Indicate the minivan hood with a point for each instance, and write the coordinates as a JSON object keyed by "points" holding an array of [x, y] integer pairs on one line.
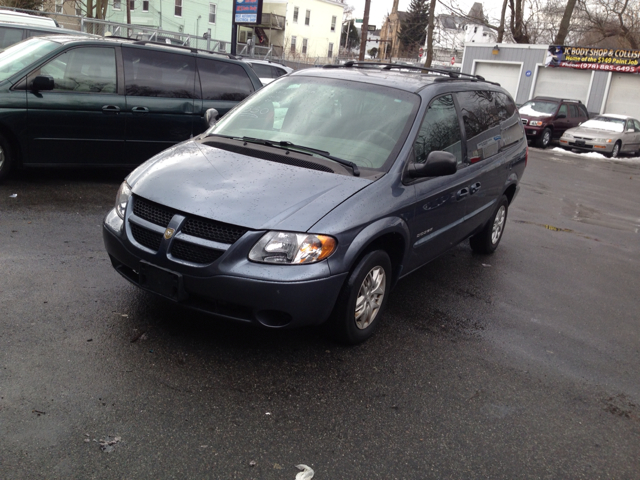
{"points": [[239, 189]]}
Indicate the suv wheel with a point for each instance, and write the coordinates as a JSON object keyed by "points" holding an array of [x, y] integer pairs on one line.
{"points": [[545, 138], [6, 158], [363, 298], [616, 150], [487, 240]]}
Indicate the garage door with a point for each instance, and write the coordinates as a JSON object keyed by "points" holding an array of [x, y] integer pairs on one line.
{"points": [[507, 75], [563, 82], [623, 95]]}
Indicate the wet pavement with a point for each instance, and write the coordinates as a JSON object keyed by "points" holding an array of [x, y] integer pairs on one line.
{"points": [[523, 364]]}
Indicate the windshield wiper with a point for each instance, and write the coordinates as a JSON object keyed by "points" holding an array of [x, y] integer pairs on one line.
{"points": [[288, 145]]}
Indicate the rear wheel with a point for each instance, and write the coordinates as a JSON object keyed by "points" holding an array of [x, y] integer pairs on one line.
{"points": [[487, 240], [362, 299], [6, 158], [545, 138]]}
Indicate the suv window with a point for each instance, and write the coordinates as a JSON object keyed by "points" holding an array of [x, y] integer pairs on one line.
{"points": [[583, 111], [9, 36], [90, 70], [573, 110], [563, 110], [636, 124], [150, 73], [264, 71], [440, 130], [223, 80], [479, 111]]}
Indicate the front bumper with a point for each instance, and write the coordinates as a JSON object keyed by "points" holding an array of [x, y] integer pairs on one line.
{"points": [[224, 291], [533, 132], [586, 145]]}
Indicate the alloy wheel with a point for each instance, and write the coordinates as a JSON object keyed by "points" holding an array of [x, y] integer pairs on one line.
{"points": [[370, 297], [498, 224]]}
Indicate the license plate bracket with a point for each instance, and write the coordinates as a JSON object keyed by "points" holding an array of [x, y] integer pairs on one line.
{"points": [[580, 142], [161, 281]]}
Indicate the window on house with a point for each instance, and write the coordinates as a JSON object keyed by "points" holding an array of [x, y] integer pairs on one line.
{"points": [[222, 47], [117, 4], [333, 24], [330, 52], [295, 14], [304, 45], [145, 5], [59, 6], [178, 8], [132, 4], [307, 17], [212, 13], [293, 44]]}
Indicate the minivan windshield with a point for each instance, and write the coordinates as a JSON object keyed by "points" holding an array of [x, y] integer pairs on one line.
{"points": [[538, 108], [358, 122], [23, 54]]}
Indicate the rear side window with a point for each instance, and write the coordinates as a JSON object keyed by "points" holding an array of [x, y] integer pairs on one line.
{"points": [[479, 112], [150, 73], [223, 80], [573, 110], [82, 70], [506, 107], [264, 71], [9, 36], [440, 130]]}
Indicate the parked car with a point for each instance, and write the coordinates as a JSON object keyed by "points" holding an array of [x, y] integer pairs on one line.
{"points": [[103, 101], [546, 118], [268, 70], [313, 217], [11, 33], [21, 18], [608, 134]]}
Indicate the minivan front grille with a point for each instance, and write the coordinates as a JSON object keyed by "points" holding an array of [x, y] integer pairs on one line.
{"points": [[152, 212], [194, 253], [211, 230], [146, 237]]}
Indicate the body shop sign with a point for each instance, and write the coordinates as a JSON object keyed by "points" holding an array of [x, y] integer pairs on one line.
{"points": [[607, 59], [247, 11]]}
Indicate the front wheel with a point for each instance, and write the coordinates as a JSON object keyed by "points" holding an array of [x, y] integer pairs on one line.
{"points": [[6, 158], [487, 240], [616, 151], [362, 299], [545, 138]]}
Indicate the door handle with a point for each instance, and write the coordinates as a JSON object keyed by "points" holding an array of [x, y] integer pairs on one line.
{"points": [[462, 193], [474, 188], [140, 110], [110, 109]]}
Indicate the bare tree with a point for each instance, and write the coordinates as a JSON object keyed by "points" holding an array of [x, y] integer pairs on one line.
{"points": [[610, 23], [432, 9], [564, 24]]}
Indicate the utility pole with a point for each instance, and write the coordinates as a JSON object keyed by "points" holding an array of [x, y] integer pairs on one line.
{"points": [[365, 27]]}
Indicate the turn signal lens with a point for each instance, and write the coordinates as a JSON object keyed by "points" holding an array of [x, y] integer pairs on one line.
{"points": [[292, 248]]}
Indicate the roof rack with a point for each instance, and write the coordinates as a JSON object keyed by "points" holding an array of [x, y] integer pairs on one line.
{"points": [[391, 66], [171, 45]]}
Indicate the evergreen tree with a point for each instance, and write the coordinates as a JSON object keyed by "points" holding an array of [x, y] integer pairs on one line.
{"points": [[413, 26], [354, 36]]}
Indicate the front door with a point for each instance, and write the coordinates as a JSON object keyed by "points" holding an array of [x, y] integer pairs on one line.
{"points": [[81, 120], [160, 92], [439, 202]]}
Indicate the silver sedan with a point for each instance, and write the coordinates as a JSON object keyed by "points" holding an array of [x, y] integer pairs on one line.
{"points": [[608, 134]]}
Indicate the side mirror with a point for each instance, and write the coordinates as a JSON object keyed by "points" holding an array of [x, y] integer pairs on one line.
{"points": [[438, 164], [211, 117], [42, 82]]}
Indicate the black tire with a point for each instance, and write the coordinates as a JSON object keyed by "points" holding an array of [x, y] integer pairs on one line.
{"points": [[488, 239], [545, 138], [370, 281], [6, 158], [615, 153]]}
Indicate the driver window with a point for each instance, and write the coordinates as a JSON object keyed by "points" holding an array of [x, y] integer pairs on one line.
{"points": [[86, 70], [440, 130], [563, 110]]}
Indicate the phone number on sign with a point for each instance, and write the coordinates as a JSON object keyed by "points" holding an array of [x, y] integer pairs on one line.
{"points": [[608, 68]]}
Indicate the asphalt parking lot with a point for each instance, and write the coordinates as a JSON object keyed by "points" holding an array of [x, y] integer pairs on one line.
{"points": [[523, 364]]}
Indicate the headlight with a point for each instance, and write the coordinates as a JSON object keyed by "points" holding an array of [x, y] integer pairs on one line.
{"points": [[602, 140], [124, 193], [567, 135], [292, 248], [535, 123]]}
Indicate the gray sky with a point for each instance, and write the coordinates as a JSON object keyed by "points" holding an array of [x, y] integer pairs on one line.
{"points": [[380, 8]]}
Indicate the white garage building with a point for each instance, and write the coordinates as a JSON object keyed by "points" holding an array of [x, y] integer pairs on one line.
{"points": [[521, 70]]}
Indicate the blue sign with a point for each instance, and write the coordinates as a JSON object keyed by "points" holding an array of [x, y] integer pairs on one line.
{"points": [[247, 11], [528, 73]]}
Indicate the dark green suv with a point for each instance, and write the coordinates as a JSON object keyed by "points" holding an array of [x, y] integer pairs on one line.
{"points": [[71, 100]]}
